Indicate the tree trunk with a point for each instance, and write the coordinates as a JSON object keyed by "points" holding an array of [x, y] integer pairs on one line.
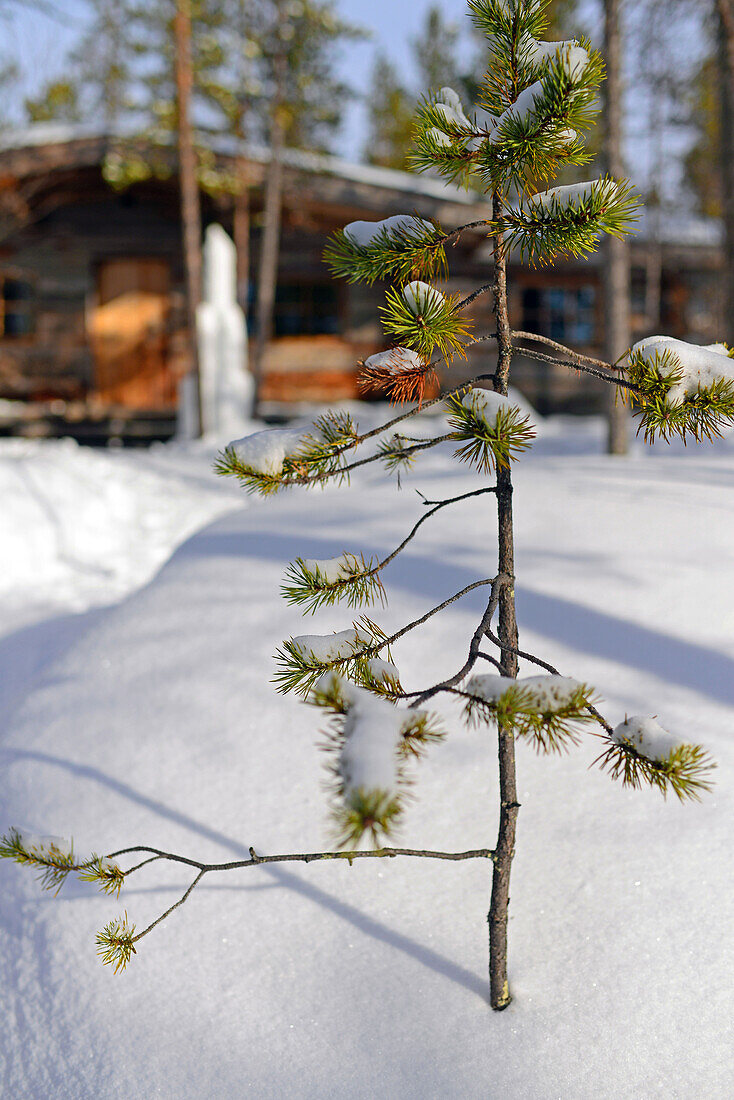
{"points": [[190, 209], [499, 989], [725, 10], [241, 237], [270, 241], [616, 259]]}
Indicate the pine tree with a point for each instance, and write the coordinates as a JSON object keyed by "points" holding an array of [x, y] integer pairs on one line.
{"points": [[389, 119], [542, 97]]}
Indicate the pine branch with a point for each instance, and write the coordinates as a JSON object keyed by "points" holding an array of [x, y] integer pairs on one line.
{"points": [[547, 225], [491, 444]]}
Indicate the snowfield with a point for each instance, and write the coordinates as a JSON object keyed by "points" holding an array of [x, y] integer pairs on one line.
{"points": [[138, 710]]}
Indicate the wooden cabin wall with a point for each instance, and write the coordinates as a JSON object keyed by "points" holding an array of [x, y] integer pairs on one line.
{"points": [[60, 256]]}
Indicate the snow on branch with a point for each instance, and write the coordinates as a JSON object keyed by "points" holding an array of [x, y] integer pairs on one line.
{"points": [[400, 373], [267, 461], [569, 220], [494, 429], [641, 752], [400, 246], [369, 741], [303, 659], [544, 709], [350, 577], [682, 388], [423, 318]]}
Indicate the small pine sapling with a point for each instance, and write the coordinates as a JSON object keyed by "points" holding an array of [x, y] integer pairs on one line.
{"points": [[538, 99]]}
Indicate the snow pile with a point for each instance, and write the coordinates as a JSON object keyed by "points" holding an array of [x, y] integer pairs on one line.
{"points": [[265, 452], [486, 405], [327, 648], [570, 195], [647, 737], [421, 297], [395, 359], [333, 570], [363, 234], [546, 693], [83, 527], [701, 366]]}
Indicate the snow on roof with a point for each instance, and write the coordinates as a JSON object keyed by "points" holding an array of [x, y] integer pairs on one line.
{"points": [[58, 133]]}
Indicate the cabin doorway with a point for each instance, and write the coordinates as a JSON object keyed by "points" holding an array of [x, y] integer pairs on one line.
{"points": [[128, 334]]}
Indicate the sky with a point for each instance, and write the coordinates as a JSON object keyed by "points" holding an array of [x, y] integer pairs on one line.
{"points": [[40, 41]]}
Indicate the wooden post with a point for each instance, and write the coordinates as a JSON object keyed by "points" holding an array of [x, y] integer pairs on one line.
{"points": [[190, 207], [616, 274]]}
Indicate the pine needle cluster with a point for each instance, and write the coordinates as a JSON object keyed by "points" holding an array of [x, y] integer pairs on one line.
{"points": [[701, 414], [685, 771], [299, 670], [543, 229], [413, 251], [56, 864], [489, 447], [359, 584], [435, 325], [319, 457], [116, 943], [550, 727], [53, 864]]}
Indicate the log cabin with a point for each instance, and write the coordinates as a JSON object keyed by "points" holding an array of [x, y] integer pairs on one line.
{"points": [[93, 339]]}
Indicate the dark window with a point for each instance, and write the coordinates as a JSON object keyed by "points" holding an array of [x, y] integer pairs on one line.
{"points": [[303, 309], [16, 306], [562, 313]]}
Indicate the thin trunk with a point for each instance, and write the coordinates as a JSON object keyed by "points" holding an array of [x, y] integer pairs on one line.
{"points": [[499, 989], [616, 259], [726, 67], [190, 209]]}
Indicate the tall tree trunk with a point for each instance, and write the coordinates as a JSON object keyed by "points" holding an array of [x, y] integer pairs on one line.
{"points": [[725, 10], [268, 264], [499, 989], [616, 280], [190, 208], [270, 242], [241, 237]]}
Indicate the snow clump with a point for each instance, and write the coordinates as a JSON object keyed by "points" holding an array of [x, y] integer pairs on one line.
{"points": [[421, 297], [395, 359], [333, 570], [701, 366], [485, 405], [568, 195], [450, 107], [326, 648], [265, 452], [573, 57], [363, 234], [373, 732], [647, 737], [45, 846], [547, 693]]}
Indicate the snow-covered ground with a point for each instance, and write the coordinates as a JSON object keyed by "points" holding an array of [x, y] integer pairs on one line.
{"points": [[138, 710]]}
